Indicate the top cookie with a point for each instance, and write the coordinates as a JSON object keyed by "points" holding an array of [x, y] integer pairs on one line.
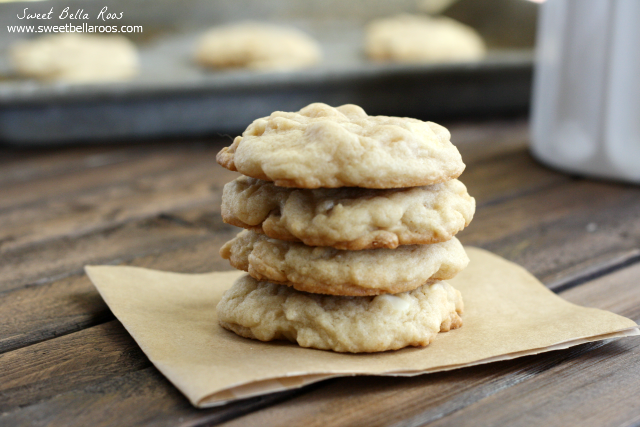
{"points": [[322, 146], [257, 46], [411, 38]]}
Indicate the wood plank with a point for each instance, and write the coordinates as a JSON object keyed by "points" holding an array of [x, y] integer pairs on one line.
{"points": [[484, 140], [39, 313], [143, 397], [198, 184], [33, 164], [507, 176], [551, 231], [550, 380], [69, 304], [98, 377], [10, 155], [60, 258], [194, 184], [617, 292], [591, 269], [101, 173], [43, 370]]}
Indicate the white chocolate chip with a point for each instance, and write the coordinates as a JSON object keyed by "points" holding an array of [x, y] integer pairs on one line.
{"points": [[398, 304]]}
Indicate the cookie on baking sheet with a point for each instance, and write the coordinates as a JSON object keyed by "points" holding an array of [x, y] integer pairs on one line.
{"points": [[322, 146], [268, 311], [72, 57], [413, 38], [349, 218], [326, 270], [257, 46]]}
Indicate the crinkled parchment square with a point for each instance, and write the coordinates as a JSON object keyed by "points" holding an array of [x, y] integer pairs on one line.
{"points": [[508, 314]]}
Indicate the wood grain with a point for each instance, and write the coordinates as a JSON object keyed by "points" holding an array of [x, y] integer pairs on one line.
{"points": [[138, 398], [25, 165], [99, 377], [507, 176], [44, 370], [60, 258], [71, 303], [40, 313], [193, 184], [101, 210], [103, 171], [479, 141], [553, 230]]}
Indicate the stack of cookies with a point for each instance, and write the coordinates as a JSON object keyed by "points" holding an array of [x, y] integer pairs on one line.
{"points": [[350, 222]]}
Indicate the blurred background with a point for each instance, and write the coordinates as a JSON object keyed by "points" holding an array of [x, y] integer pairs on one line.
{"points": [[173, 96]]}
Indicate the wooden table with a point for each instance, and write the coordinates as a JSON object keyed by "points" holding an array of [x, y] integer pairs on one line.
{"points": [[65, 360]]}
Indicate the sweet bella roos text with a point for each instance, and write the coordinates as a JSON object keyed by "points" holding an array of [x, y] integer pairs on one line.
{"points": [[104, 14]]}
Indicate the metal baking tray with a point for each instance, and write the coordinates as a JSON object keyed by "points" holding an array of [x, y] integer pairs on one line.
{"points": [[173, 96]]}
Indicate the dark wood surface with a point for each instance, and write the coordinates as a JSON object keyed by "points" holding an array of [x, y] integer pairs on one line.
{"points": [[65, 360]]}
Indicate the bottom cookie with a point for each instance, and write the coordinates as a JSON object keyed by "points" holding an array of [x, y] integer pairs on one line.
{"points": [[266, 311]]}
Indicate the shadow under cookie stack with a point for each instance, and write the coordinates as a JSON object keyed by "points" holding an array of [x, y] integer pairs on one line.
{"points": [[350, 222]]}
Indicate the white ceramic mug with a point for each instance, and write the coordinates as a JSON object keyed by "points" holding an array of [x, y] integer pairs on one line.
{"points": [[586, 99]]}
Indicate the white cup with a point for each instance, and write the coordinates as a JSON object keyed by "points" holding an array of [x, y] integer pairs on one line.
{"points": [[586, 97]]}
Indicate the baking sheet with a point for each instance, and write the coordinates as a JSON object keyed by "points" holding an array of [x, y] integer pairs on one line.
{"points": [[173, 96]]}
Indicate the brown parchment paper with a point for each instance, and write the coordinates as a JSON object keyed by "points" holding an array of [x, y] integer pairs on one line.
{"points": [[508, 314]]}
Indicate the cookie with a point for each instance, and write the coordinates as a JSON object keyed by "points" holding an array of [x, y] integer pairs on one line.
{"points": [[257, 46], [349, 218], [268, 311], [79, 58], [412, 38], [322, 146], [325, 270]]}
